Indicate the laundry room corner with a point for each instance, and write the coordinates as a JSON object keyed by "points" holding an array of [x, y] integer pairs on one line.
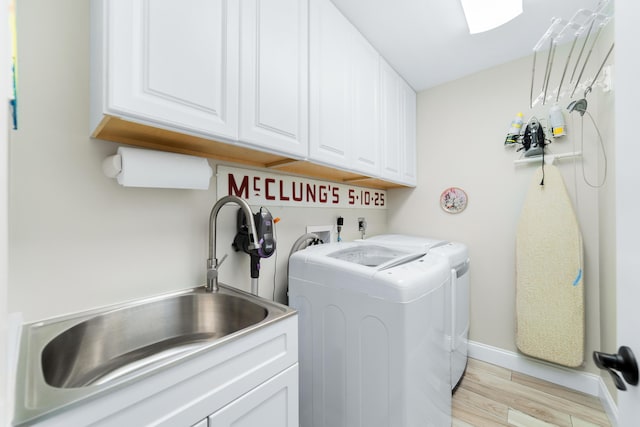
{"points": [[319, 213], [460, 134]]}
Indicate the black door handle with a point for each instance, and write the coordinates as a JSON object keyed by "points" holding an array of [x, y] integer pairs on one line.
{"points": [[624, 362]]}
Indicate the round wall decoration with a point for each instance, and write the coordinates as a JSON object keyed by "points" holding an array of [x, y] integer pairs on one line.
{"points": [[453, 200]]}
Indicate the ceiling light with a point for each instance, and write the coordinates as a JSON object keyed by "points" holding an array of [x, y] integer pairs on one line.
{"points": [[484, 15]]}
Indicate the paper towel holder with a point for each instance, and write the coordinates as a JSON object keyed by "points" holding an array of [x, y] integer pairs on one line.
{"points": [[112, 165], [137, 167]]}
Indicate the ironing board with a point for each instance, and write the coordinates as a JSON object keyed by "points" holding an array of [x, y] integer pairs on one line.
{"points": [[549, 274]]}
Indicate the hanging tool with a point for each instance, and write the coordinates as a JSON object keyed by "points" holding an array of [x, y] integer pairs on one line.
{"points": [[575, 28], [533, 141], [265, 235], [585, 24]]}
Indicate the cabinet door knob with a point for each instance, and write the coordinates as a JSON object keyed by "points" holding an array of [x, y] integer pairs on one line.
{"points": [[624, 362]]}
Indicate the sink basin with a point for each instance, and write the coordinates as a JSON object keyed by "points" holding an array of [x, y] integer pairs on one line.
{"points": [[67, 359], [109, 345]]}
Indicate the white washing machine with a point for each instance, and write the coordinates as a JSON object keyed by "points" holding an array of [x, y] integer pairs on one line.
{"points": [[457, 325], [372, 345]]}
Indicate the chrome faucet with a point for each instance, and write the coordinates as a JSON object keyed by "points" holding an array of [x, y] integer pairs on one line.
{"points": [[212, 262]]}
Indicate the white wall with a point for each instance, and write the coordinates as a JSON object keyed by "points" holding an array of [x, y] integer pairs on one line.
{"points": [[604, 104], [79, 240], [4, 132], [461, 130]]}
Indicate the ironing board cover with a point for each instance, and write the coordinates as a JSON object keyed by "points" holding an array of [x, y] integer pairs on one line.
{"points": [[549, 274]]}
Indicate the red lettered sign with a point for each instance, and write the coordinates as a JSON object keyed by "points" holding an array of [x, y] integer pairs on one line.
{"points": [[269, 189]]}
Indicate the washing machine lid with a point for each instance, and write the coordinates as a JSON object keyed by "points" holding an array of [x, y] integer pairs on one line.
{"points": [[457, 253], [391, 274], [379, 257], [408, 242]]}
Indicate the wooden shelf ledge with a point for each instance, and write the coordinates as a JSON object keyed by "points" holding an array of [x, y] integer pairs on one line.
{"points": [[140, 135]]}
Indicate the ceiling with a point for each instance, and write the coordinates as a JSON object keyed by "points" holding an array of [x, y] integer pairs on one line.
{"points": [[428, 43]]}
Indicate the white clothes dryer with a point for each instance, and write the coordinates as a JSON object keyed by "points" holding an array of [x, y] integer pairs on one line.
{"points": [[372, 340], [457, 325]]}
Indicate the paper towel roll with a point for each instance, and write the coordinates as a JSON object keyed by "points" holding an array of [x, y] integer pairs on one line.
{"points": [[159, 169]]}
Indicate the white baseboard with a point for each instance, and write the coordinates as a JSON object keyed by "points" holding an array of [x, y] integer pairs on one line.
{"points": [[610, 406], [584, 382]]}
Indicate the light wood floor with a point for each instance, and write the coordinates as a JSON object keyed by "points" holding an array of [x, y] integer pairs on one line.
{"points": [[489, 395]]}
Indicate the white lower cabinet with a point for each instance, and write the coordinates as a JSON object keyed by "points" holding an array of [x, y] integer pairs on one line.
{"points": [[272, 404], [254, 377]]}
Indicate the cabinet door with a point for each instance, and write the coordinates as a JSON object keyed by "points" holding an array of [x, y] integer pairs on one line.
{"points": [[174, 63], [274, 75], [272, 404], [391, 153], [330, 90], [365, 106], [397, 127], [409, 168], [345, 88]]}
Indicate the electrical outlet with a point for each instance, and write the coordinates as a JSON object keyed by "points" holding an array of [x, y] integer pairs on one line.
{"points": [[362, 224]]}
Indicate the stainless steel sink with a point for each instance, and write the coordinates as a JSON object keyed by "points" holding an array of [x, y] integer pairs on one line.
{"points": [[67, 359], [102, 348]]}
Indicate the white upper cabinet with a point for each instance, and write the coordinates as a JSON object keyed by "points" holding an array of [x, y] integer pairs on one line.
{"points": [[344, 87], [409, 168], [391, 158], [329, 84], [274, 68], [365, 107], [397, 127], [173, 64], [252, 81], [235, 71]]}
